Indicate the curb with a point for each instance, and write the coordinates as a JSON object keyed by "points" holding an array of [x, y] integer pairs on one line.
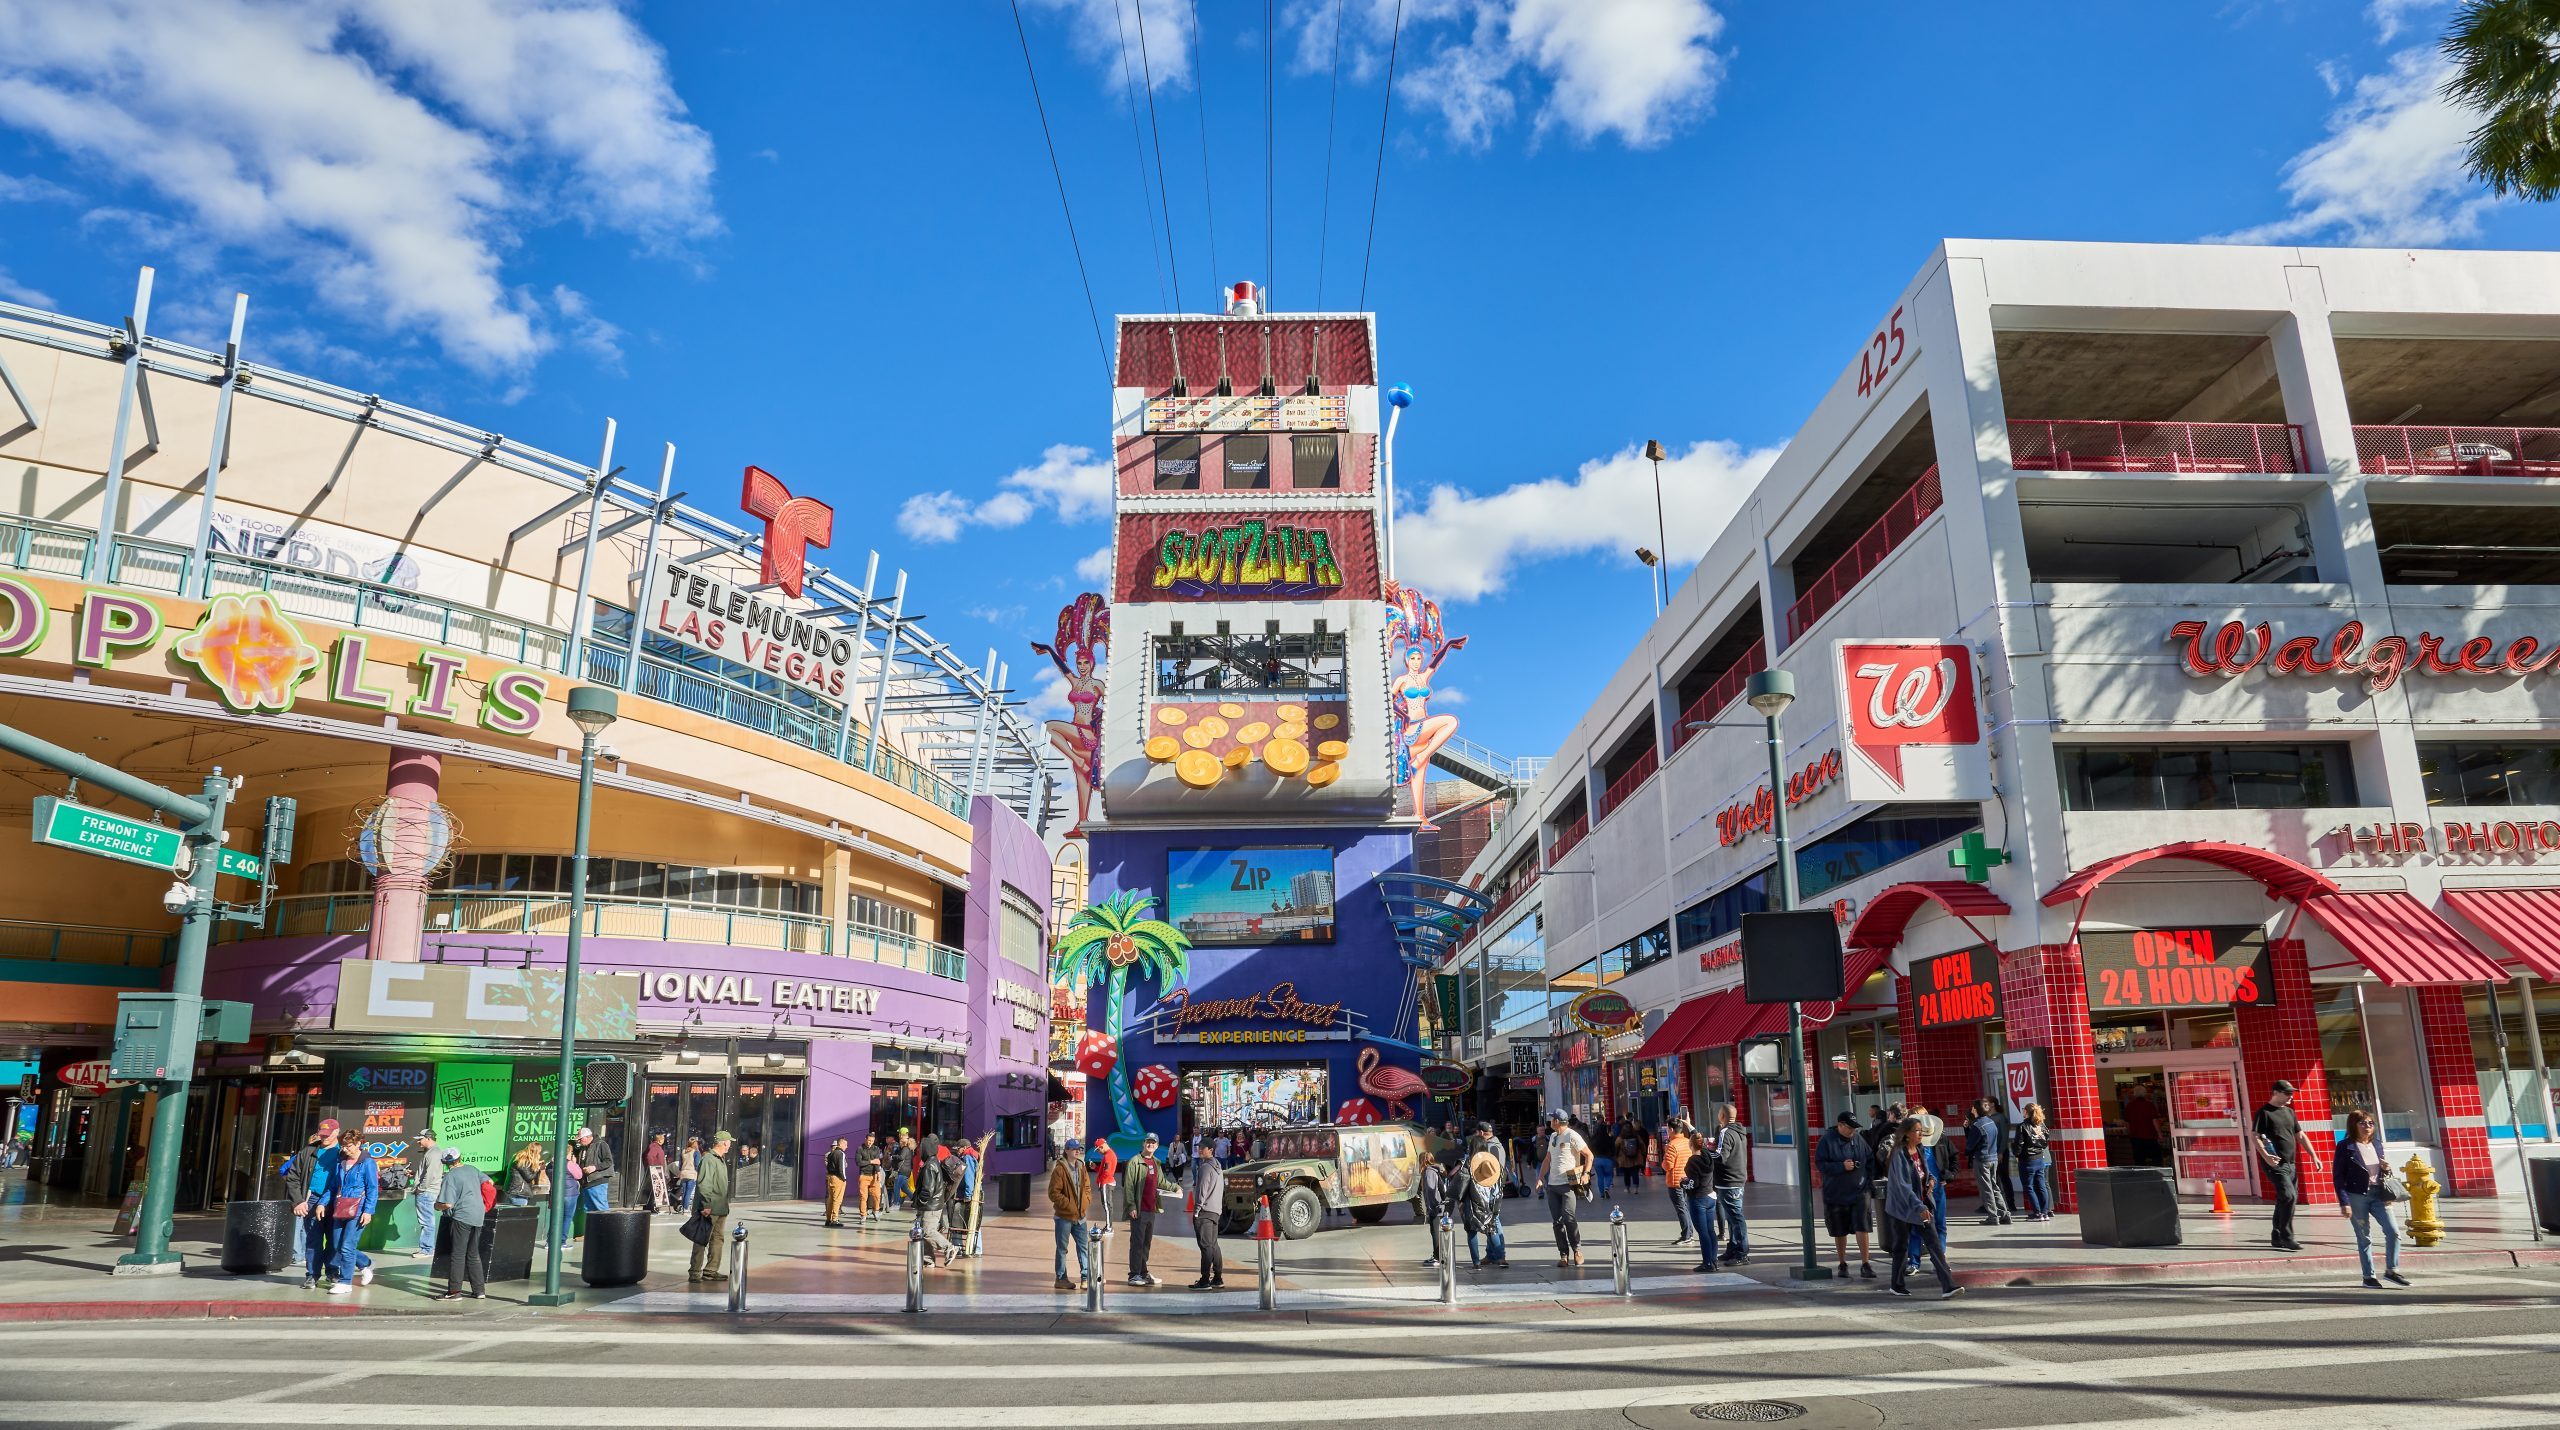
{"points": [[28, 1311], [2103, 1273]]}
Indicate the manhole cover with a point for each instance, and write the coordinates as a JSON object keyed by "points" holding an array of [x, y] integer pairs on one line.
{"points": [[1748, 1412]]}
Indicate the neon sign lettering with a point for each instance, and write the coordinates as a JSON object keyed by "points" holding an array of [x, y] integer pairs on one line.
{"points": [[1248, 558], [1280, 1004], [1743, 818], [2236, 647]]}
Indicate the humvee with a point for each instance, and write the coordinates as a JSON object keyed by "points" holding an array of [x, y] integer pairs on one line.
{"points": [[1308, 1171]]}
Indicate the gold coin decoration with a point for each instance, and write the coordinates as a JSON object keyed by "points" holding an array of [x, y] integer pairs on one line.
{"points": [[1324, 774], [1327, 721], [1213, 727], [1254, 733], [1332, 750], [1172, 714], [1163, 748], [1197, 737], [1285, 756], [1231, 710], [1293, 714], [1290, 732], [1198, 769], [1239, 757]]}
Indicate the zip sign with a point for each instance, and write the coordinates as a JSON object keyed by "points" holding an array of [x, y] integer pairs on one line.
{"points": [[63, 824]]}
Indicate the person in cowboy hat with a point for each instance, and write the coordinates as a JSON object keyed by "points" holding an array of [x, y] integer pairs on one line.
{"points": [[1480, 1202]]}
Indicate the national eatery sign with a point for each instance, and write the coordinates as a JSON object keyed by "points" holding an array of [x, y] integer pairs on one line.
{"points": [[2238, 647]]}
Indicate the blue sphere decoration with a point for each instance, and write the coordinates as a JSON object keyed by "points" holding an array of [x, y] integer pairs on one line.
{"points": [[1400, 395]]}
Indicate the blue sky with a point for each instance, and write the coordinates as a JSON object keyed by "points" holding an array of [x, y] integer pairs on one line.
{"points": [[825, 239]]}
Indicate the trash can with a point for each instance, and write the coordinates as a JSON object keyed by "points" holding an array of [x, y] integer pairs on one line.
{"points": [[1013, 1192], [258, 1237], [2545, 1172], [617, 1248], [512, 1233], [2128, 1206]]}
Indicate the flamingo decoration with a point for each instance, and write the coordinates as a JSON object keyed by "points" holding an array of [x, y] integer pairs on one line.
{"points": [[1397, 1087]]}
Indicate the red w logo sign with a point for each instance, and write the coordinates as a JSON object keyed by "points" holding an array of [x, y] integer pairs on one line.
{"points": [[791, 526]]}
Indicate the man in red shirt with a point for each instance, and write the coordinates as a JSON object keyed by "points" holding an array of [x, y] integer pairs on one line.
{"points": [[1146, 1197]]}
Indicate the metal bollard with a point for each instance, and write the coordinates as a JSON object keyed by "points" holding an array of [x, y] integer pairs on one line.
{"points": [[1618, 1251], [915, 1271], [1266, 1275], [1446, 1234], [738, 1268], [1096, 1272]]}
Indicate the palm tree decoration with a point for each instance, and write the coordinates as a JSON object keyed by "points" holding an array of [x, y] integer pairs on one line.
{"points": [[1107, 943], [2507, 70]]}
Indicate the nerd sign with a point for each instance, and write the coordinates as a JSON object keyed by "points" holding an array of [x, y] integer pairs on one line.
{"points": [[1914, 727], [2177, 967]]}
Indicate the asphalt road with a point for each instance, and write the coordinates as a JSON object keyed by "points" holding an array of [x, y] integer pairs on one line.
{"points": [[2458, 1351]]}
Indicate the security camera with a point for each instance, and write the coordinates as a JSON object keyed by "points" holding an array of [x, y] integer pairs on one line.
{"points": [[179, 897]]}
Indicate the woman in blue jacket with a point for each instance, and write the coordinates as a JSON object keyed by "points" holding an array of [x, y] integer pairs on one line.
{"points": [[2354, 1174], [1908, 1225], [343, 1179]]}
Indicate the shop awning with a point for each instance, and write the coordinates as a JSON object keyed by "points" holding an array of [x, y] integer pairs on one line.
{"points": [[1881, 923], [2400, 939], [1860, 965], [1671, 1038], [2283, 878], [2525, 922]]}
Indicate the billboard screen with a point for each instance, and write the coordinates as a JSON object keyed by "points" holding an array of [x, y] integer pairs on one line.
{"points": [[1248, 896]]}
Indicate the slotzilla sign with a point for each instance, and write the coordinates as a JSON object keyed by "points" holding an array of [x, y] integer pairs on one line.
{"points": [[1275, 555], [462, 1001], [710, 615]]}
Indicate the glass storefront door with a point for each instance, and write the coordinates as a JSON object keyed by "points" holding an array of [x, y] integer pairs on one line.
{"points": [[2208, 1131], [767, 1126]]}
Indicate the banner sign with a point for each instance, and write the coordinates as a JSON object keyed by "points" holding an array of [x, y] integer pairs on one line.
{"points": [[1913, 721], [1956, 988], [707, 614], [479, 1002], [1250, 412], [1316, 554], [2177, 968], [1526, 1062]]}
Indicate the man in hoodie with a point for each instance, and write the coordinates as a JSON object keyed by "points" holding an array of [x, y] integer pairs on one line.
{"points": [[1071, 1200], [464, 1193], [595, 1171], [1982, 1148], [1731, 1151], [422, 1192], [1204, 1185], [1145, 1185], [712, 1196], [936, 1179]]}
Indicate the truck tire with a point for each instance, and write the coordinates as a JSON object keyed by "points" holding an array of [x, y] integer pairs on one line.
{"points": [[1297, 1212], [1370, 1216]]}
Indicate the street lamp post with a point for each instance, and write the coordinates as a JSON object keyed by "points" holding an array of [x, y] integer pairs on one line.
{"points": [[591, 709], [1661, 535], [1770, 692]]}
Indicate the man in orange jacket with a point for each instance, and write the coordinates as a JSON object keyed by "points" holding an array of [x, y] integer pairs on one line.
{"points": [[1679, 1144]]}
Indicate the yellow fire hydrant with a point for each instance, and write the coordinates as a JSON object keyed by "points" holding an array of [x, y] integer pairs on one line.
{"points": [[2424, 1229]]}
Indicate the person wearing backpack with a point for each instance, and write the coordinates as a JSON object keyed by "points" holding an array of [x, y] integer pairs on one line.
{"points": [[1842, 1158]]}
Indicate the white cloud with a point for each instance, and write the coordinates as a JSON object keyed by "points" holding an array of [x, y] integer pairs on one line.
{"points": [[2392, 169], [2390, 17], [16, 292], [1048, 699], [588, 332], [1068, 481], [17, 190], [1094, 569], [1108, 31], [1461, 547], [393, 156]]}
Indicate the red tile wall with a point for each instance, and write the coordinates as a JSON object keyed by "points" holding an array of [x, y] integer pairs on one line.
{"points": [[2282, 1040], [2046, 1004], [1942, 1068], [2447, 1031]]}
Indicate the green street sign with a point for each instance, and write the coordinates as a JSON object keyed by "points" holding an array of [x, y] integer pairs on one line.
{"points": [[239, 865], [91, 831]]}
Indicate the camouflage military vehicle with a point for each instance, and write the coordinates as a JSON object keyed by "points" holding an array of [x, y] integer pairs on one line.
{"points": [[1309, 1171]]}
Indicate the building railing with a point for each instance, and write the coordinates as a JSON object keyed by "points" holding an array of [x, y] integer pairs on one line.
{"points": [[1726, 690], [611, 916], [368, 606], [1627, 784], [2459, 451], [1501, 905], [1865, 554], [83, 943], [1567, 837], [2070, 445]]}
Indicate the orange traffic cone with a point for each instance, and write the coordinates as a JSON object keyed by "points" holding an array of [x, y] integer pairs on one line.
{"points": [[1263, 1230], [2221, 1200]]}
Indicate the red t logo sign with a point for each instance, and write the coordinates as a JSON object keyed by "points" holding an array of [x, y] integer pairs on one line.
{"points": [[791, 526]]}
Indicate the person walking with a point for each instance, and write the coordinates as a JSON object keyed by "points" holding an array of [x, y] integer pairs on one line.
{"points": [[867, 1163], [595, 1172], [836, 1170], [1204, 1186], [902, 1170], [1071, 1200], [345, 1188], [465, 1194], [2361, 1175], [2279, 1135], [1630, 1152], [1730, 1154], [654, 1157], [1933, 1129], [422, 1193], [1841, 1157], [1146, 1197], [1564, 1172], [688, 1173], [1698, 1188], [1481, 1202], [1982, 1148], [1907, 1213], [1439, 1199], [296, 1174], [1677, 1150], [1105, 1160], [711, 1202], [2035, 1163], [1604, 1166], [935, 1185]]}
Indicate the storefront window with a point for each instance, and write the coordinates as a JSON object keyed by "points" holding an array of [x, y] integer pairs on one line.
{"points": [[1773, 1116], [1861, 1067], [2167, 777], [1643, 951], [2391, 1041], [1853, 851], [2520, 1099], [2507, 772]]}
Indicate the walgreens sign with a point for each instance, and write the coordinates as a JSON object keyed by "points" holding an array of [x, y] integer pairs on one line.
{"points": [[2238, 647]]}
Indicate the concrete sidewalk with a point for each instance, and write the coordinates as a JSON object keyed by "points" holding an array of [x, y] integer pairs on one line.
{"points": [[54, 1263]]}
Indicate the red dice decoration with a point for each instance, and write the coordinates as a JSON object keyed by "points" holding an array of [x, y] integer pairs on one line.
{"points": [[1097, 1053], [1358, 1112], [1155, 1087]]}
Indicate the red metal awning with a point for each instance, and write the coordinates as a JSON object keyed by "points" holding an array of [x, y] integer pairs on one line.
{"points": [[1860, 966], [2525, 922], [1718, 1028], [1671, 1038], [2401, 940], [1881, 923], [2284, 878]]}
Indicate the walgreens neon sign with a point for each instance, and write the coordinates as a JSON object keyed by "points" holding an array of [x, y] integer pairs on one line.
{"points": [[2236, 647]]}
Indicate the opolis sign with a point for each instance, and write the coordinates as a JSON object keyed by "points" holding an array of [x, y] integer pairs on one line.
{"points": [[1912, 721], [2236, 648]]}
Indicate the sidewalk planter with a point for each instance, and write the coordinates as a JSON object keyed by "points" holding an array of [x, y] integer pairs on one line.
{"points": [[617, 1248], [258, 1237], [512, 1233], [2128, 1206], [1013, 1192]]}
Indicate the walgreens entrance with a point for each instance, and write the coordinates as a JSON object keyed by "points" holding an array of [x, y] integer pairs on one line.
{"points": [[2180, 1110]]}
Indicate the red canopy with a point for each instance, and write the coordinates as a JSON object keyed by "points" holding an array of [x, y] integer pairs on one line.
{"points": [[2401, 940], [2525, 922]]}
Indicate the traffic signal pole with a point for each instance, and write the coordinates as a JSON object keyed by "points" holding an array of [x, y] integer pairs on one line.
{"points": [[200, 823]]}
